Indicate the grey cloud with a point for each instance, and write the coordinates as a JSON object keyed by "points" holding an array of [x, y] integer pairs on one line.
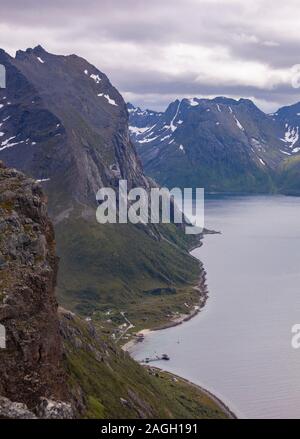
{"points": [[247, 32]]}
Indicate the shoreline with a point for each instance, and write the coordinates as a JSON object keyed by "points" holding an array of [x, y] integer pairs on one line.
{"points": [[215, 398], [203, 296]]}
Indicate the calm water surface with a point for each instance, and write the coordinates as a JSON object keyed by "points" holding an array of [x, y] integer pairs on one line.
{"points": [[239, 346]]}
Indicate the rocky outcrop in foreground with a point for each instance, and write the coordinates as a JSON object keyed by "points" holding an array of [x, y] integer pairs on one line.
{"points": [[32, 381], [64, 367]]}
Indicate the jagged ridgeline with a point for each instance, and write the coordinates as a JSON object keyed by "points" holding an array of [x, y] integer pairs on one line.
{"points": [[63, 123], [222, 144]]}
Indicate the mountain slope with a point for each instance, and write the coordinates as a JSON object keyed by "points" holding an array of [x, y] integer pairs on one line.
{"points": [[220, 144], [55, 365], [107, 383], [290, 117], [289, 172], [63, 123]]}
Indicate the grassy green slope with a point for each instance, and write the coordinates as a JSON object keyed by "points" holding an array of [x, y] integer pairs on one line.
{"points": [[95, 367], [125, 268], [289, 176]]}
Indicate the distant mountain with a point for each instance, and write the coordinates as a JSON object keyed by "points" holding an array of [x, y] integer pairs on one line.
{"points": [[64, 124], [141, 120], [221, 144], [290, 117]]}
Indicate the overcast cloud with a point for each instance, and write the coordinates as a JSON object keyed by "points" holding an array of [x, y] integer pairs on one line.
{"points": [[157, 50]]}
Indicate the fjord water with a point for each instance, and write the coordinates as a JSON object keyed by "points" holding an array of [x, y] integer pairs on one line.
{"points": [[239, 346]]}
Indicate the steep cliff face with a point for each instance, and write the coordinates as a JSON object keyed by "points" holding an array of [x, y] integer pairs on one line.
{"points": [[30, 365], [63, 122]]}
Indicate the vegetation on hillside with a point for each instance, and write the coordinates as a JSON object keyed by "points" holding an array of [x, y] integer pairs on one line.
{"points": [[109, 269], [107, 383]]}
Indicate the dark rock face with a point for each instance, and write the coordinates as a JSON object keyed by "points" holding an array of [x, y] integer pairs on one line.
{"points": [[64, 123], [221, 144], [30, 365]]}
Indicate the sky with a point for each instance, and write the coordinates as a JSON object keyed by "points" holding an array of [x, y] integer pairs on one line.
{"points": [[155, 51]]}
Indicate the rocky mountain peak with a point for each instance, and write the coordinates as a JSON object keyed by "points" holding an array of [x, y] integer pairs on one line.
{"points": [[37, 50], [62, 122]]}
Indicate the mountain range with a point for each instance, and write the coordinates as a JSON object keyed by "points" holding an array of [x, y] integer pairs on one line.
{"points": [[65, 126], [221, 144]]}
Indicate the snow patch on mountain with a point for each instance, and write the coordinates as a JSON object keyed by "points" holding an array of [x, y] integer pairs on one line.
{"points": [[285, 152], [291, 136], [96, 78], [42, 180], [165, 137], [108, 98], [10, 145], [138, 130], [6, 143], [238, 124], [147, 140], [173, 127], [193, 102]]}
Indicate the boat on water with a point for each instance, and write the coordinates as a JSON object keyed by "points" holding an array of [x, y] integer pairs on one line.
{"points": [[157, 358]]}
